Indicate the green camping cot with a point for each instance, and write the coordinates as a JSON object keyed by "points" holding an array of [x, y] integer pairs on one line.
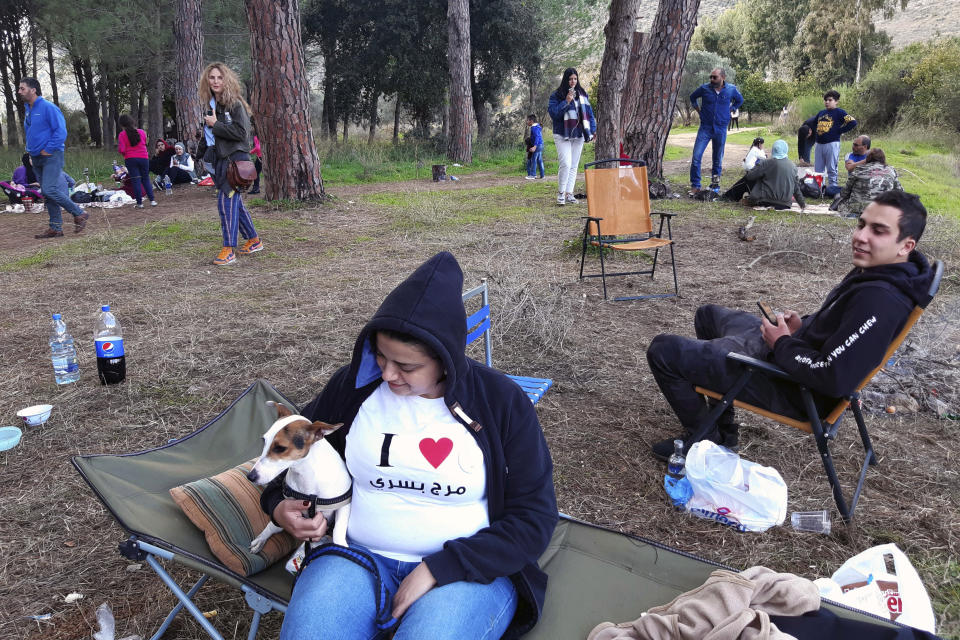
{"points": [[595, 574]]}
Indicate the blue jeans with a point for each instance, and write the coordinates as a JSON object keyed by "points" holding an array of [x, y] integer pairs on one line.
{"points": [[335, 598], [48, 170], [535, 162], [139, 172], [717, 139]]}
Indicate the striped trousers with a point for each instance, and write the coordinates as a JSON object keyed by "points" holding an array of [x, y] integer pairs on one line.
{"points": [[234, 217]]}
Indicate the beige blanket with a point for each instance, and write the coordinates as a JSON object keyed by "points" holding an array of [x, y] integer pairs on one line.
{"points": [[727, 606]]}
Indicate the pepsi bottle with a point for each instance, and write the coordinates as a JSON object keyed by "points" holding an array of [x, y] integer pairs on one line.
{"points": [[111, 358]]}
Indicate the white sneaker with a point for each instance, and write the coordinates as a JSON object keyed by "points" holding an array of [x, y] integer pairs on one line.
{"points": [[153, 203], [571, 199], [560, 200], [531, 177]]}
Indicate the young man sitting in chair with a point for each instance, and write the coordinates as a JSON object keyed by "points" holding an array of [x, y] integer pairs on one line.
{"points": [[830, 351]]}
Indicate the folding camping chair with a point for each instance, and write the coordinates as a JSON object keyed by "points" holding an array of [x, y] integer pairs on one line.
{"points": [[824, 429], [618, 203], [596, 574], [478, 325], [135, 489]]}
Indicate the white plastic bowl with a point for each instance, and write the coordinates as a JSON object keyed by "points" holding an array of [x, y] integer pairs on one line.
{"points": [[35, 415], [9, 437]]}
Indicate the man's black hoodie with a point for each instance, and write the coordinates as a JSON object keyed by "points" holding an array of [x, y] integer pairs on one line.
{"points": [[520, 496], [837, 346]]}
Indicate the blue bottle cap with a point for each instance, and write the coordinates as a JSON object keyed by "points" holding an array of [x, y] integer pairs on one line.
{"points": [[56, 316], [105, 307]]}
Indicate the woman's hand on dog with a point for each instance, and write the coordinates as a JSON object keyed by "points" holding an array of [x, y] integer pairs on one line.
{"points": [[289, 515]]}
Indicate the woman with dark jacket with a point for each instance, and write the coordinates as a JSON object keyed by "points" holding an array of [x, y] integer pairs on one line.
{"points": [[573, 124], [453, 499], [227, 131]]}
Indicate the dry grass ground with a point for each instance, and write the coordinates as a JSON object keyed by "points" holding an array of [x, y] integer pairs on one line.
{"points": [[197, 335]]}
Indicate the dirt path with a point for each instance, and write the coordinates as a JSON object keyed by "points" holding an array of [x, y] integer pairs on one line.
{"points": [[19, 228]]}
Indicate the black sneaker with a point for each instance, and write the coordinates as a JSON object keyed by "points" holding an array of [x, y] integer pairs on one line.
{"points": [[729, 435]]}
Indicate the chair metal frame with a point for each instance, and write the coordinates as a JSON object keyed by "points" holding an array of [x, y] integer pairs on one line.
{"points": [[478, 324], [825, 429], [637, 236]]}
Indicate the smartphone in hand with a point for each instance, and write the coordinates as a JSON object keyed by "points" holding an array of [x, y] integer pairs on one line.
{"points": [[767, 312]]}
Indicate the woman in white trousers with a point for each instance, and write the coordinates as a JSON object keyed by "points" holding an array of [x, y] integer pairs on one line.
{"points": [[573, 125]]}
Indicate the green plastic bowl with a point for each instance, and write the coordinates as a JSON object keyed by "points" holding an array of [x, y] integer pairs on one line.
{"points": [[9, 437]]}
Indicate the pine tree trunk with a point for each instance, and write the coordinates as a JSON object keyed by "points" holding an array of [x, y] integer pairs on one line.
{"points": [[155, 111], [374, 116], [10, 99], [396, 122], [53, 73], [188, 39], [88, 95], [660, 68], [613, 72], [632, 81], [281, 101], [459, 142]]}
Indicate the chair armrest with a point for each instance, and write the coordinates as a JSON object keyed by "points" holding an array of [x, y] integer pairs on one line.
{"points": [[662, 214], [762, 365]]}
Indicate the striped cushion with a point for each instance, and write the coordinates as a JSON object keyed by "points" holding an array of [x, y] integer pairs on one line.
{"points": [[226, 508]]}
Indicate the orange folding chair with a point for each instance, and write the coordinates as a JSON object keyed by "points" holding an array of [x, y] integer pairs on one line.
{"points": [[618, 204]]}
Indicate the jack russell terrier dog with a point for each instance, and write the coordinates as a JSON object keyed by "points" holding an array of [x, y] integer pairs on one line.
{"points": [[315, 471]]}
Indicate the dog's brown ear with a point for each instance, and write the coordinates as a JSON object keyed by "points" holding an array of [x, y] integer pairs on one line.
{"points": [[282, 410], [323, 429]]}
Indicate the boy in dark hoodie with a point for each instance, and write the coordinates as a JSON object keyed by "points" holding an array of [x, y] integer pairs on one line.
{"points": [[830, 351], [453, 499]]}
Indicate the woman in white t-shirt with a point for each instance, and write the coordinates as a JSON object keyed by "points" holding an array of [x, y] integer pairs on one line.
{"points": [[453, 498], [755, 154]]}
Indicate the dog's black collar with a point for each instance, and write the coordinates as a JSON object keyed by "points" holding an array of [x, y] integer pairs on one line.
{"points": [[315, 501]]}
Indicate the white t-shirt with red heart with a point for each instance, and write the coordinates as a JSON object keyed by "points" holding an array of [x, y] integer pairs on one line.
{"points": [[418, 476]]}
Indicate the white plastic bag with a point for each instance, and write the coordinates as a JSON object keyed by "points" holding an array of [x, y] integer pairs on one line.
{"points": [[882, 580], [733, 491]]}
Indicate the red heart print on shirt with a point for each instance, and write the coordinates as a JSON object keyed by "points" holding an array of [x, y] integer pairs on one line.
{"points": [[436, 451]]}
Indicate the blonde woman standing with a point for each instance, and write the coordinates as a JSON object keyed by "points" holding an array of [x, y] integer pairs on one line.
{"points": [[227, 130]]}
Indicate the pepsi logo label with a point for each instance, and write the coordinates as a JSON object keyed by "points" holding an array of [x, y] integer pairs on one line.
{"points": [[107, 347]]}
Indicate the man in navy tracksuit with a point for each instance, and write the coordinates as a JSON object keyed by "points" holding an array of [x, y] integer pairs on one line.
{"points": [[717, 100], [830, 351], [46, 132]]}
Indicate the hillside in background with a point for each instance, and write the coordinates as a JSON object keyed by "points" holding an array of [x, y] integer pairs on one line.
{"points": [[923, 19]]}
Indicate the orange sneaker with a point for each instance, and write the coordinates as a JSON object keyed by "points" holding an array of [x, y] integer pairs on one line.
{"points": [[250, 246], [225, 257]]}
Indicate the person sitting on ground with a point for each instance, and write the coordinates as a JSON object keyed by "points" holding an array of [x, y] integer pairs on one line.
{"points": [[161, 158], [120, 175], [755, 154], [865, 182], [857, 157], [771, 183], [454, 531], [889, 278], [181, 169], [23, 183]]}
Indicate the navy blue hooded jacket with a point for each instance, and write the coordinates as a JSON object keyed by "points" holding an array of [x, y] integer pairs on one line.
{"points": [[836, 347], [520, 495]]}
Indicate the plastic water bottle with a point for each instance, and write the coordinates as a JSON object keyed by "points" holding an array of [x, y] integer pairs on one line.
{"points": [[167, 185], [677, 462], [111, 358], [63, 352]]}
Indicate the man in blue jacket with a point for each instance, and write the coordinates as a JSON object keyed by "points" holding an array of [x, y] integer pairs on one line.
{"points": [[830, 351], [717, 100], [46, 132]]}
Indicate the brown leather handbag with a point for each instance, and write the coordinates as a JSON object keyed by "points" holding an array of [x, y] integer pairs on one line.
{"points": [[241, 174]]}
